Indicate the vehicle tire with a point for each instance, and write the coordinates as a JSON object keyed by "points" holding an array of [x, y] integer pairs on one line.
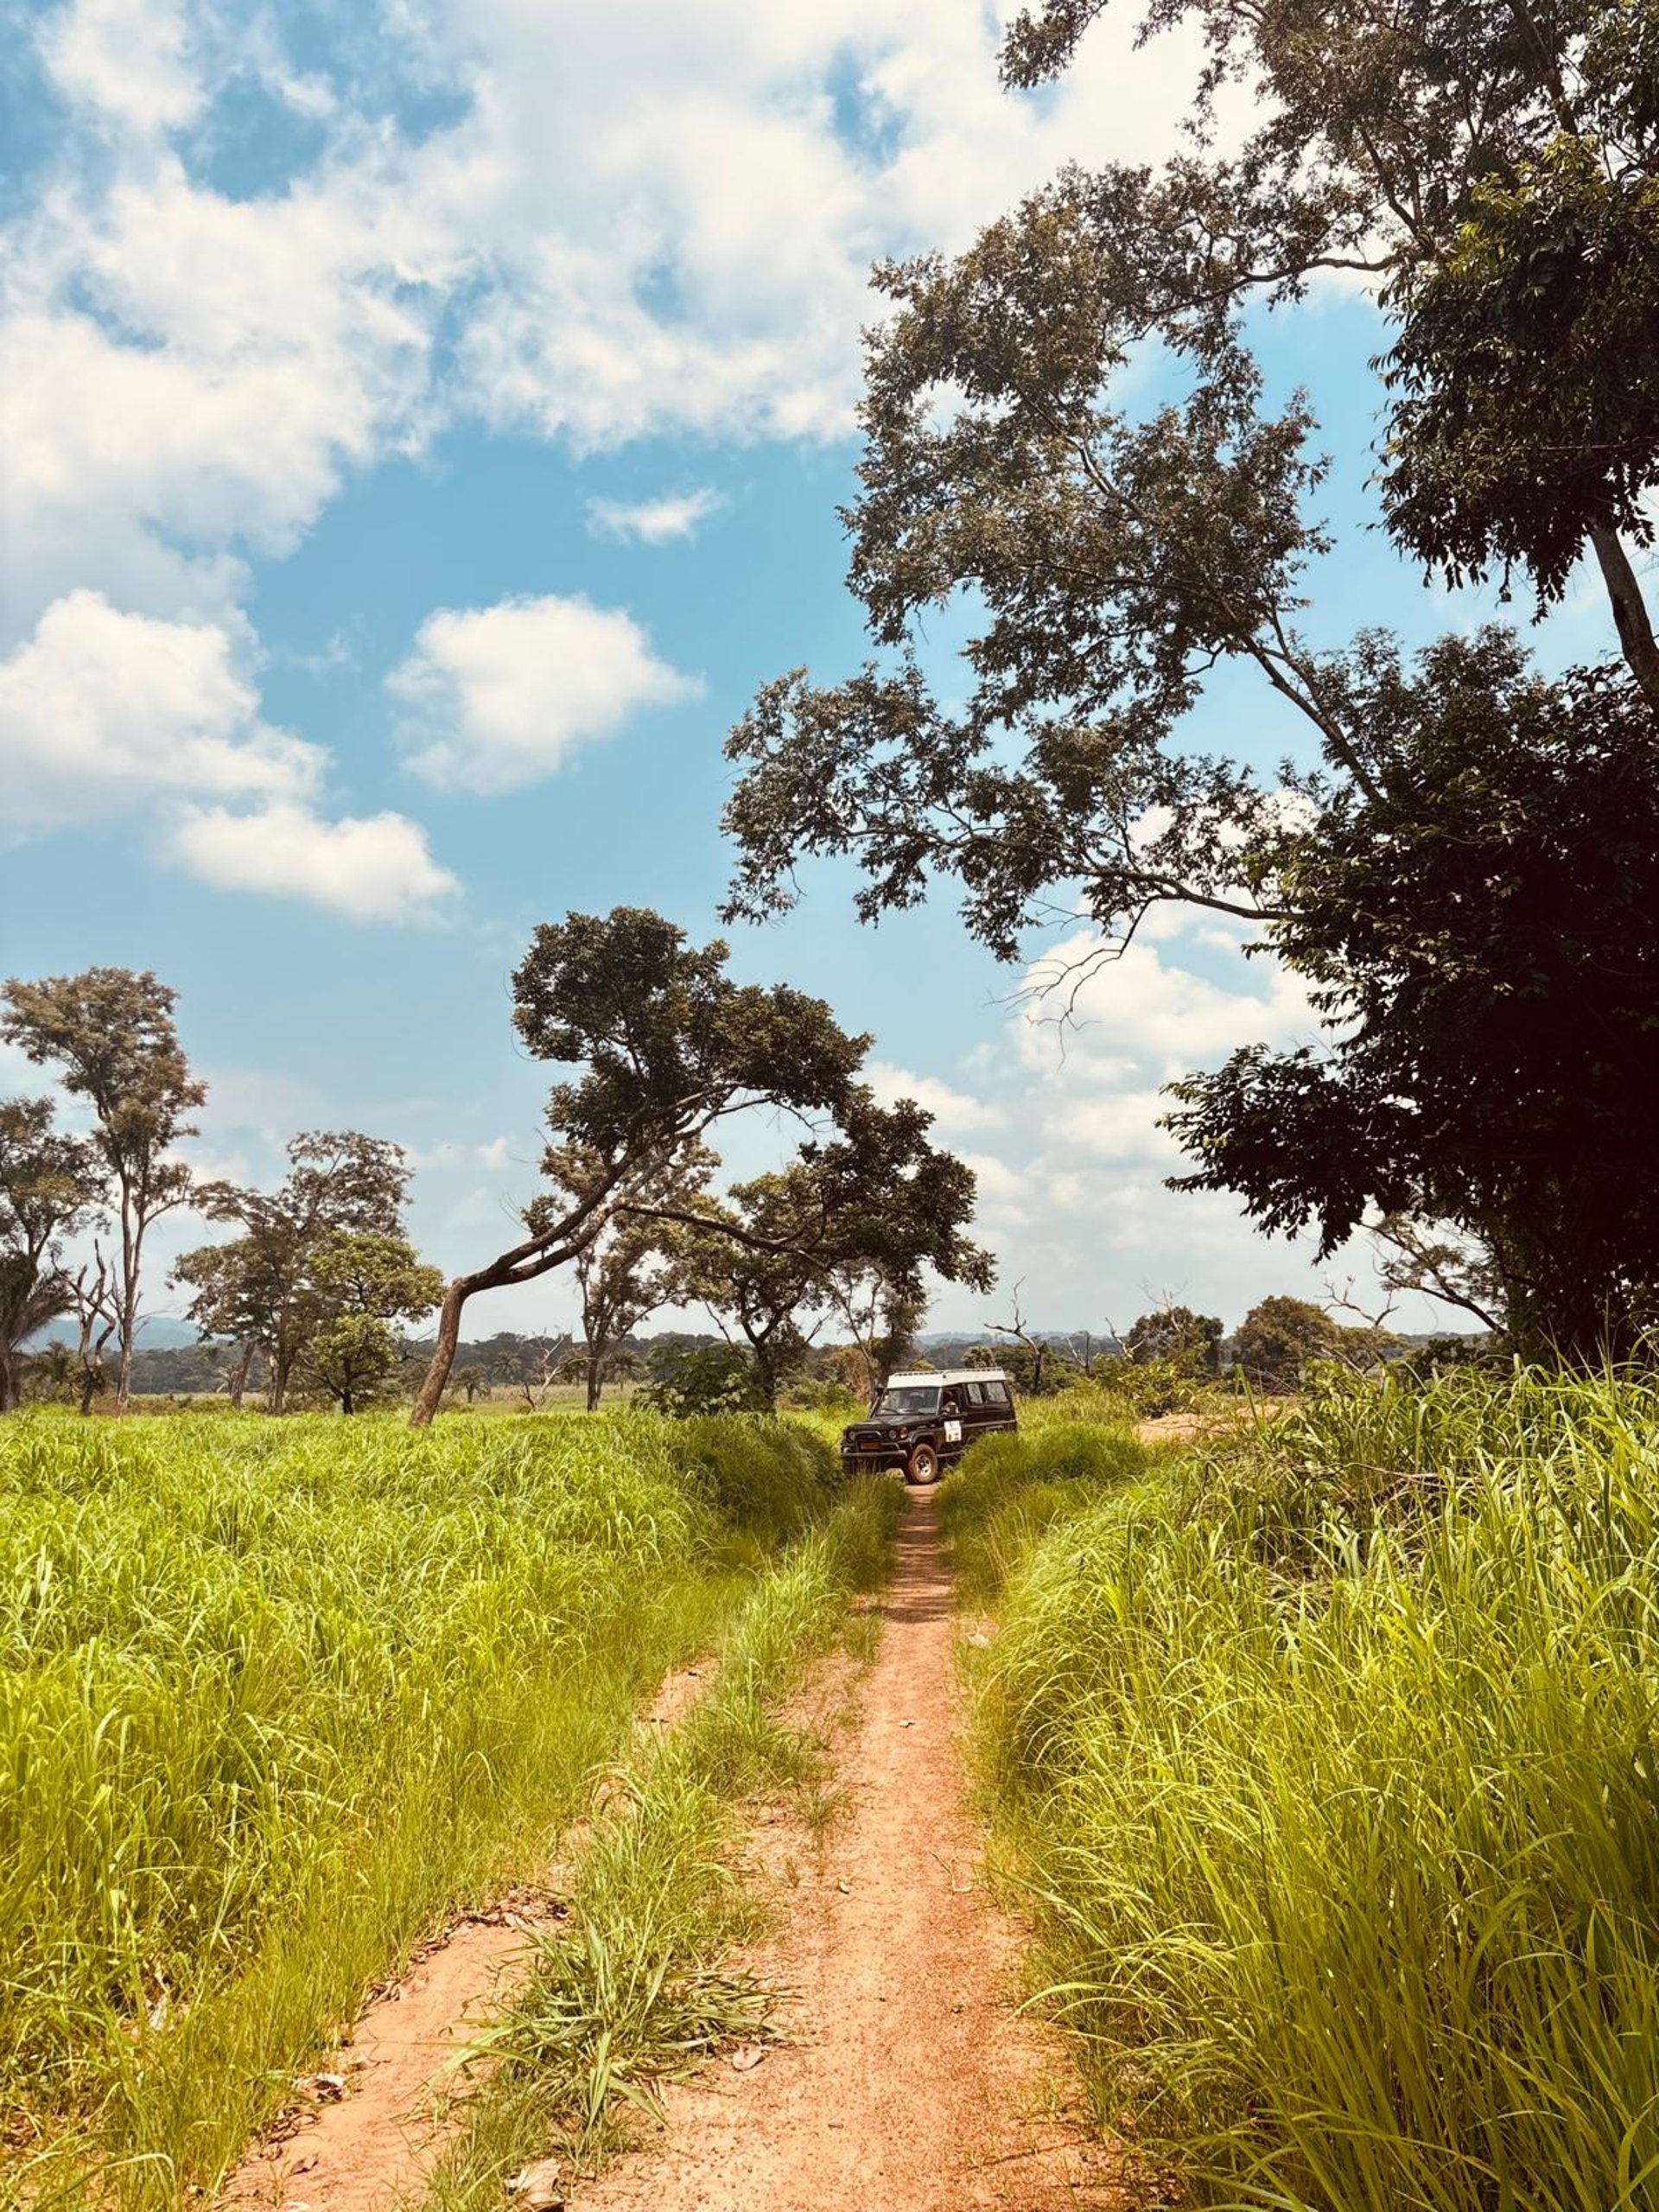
{"points": [[922, 1466]]}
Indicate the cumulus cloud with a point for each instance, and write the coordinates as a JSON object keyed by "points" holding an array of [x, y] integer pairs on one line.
{"points": [[101, 710], [653, 522], [954, 1112], [681, 243], [105, 713], [497, 697], [127, 59], [374, 868], [1071, 1177]]}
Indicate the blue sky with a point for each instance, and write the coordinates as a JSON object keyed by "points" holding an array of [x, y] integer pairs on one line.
{"points": [[421, 431]]}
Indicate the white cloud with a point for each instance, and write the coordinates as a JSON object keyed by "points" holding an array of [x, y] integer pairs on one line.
{"points": [[105, 713], [376, 868], [102, 710], [956, 1112], [1072, 1198], [126, 58], [653, 217], [497, 697], [654, 522]]}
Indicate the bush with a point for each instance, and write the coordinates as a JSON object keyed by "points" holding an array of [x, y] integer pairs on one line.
{"points": [[718, 1379]]}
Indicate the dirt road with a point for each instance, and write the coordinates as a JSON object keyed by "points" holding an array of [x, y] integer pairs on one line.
{"points": [[910, 2086]]}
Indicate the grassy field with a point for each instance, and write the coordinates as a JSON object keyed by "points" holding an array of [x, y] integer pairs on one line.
{"points": [[1327, 1762], [277, 1697]]}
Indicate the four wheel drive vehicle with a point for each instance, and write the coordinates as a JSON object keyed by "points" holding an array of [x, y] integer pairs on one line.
{"points": [[923, 1422]]}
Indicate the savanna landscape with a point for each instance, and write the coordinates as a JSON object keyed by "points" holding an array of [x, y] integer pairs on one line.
{"points": [[574, 1634]]}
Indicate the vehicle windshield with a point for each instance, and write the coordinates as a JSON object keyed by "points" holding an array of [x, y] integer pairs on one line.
{"points": [[917, 1399]]}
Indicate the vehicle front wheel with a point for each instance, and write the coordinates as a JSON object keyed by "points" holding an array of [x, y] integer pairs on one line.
{"points": [[922, 1466]]}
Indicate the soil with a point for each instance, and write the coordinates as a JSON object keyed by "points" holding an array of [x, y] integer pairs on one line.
{"points": [[366, 2129], [909, 2081]]}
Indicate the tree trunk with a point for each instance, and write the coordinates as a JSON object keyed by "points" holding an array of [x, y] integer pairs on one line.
{"points": [[1635, 638], [429, 1396], [133, 1245], [595, 1380], [766, 1372], [10, 1394], [89, 1380], [240, 1375], [347, 1403]]}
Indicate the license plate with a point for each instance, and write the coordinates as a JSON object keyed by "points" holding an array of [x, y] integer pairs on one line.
{"points": [[868, 1444]]}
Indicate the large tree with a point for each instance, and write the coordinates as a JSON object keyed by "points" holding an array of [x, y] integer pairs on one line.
{"points": [[50, 1186], [363, 1285], [855, 1226], [668, 1048], [110, 1032], [259, 1289], [1489, 174]]}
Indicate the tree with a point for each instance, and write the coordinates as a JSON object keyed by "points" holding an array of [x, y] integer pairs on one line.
{"points": [[854, 1226], [710, 1379], [95, 1302], [258, 1289], [110, 1032], [1479, 933], [49, 1187], [1490, 174], [622, 1277], [1188, 1341], [668, 1046], [1278, 1339], [363, 1285]]}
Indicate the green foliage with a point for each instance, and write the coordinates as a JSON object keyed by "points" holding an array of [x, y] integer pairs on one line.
{"points": [[717, 1379], [1010, 1489], [1176, 1337], [1279, 1339], [259, 1289], [1462, 860], [1147, 1387], [1471, 925], [110, 1032], [1326, 1759], [49, 1184], [361, 1285]]}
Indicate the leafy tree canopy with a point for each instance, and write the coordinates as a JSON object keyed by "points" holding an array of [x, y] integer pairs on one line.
{"points": [[1490, 173], [669, 1046]]}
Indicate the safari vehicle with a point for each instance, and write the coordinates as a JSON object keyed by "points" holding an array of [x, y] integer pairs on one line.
{"points": [[924, 1422]]}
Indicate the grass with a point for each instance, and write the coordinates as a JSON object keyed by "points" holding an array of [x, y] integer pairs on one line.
{"points": [[1328, 1761], [275, 1698], [638, 1991]]}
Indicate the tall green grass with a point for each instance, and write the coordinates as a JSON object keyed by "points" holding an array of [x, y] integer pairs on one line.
{"points": [[275, 1697], [1329, 1759]]}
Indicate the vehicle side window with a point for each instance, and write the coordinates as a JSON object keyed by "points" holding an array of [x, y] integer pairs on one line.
{"points": [[996, 1394], [975, 1393]]}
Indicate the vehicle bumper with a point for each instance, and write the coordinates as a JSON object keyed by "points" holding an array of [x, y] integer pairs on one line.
{"points": [[885, 1455]]}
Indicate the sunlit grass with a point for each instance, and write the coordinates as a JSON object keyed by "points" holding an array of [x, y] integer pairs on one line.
{"points": [[1329, 1759], [276, 1697]]}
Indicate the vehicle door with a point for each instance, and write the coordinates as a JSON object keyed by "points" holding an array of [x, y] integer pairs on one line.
{"points": [[954, 1433], [997, 1410]]}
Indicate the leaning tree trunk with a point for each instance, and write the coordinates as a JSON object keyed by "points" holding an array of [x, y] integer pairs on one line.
{"points": [[240, 1375], [429, 1396], [10, 1395]]}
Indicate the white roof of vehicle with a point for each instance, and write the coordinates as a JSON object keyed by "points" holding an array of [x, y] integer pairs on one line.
{"points": [[933, 1377]]}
